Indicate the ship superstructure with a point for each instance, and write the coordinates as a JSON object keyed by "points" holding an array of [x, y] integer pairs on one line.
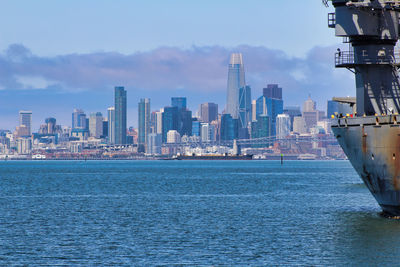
{"points": [[370, 136]]}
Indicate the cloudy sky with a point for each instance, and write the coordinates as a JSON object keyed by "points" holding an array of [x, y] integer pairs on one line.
{"points": [[60, 55]]}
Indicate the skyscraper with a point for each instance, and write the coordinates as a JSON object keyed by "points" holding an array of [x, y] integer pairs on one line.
{"points": [[120, 115], [273, 91], [282, 126], [169, 121], [208, 112], [78, 119], [111, 125], [144, 121], [244, 106], [179, 102], [236, 80], [96, 124], [25, 118], [292, 111]]}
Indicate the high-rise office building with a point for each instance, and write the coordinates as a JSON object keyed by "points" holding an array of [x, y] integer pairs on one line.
{"points": [[184, 115], [208, 112], [96, 124], [105, 128], [158, 122], [154, 143], [196, 127], [236, 80], [253, 110], [245, 106], [120, 115], [179, 102], [273, 91], [299, 125], [309, 105], [111, 125], [207, 132], [262, 127], [144, 121], [51, 125], [78, 119], [282, 126], [169, 121], [271, 107], [229, 128], [292, 111], [25, 118]]}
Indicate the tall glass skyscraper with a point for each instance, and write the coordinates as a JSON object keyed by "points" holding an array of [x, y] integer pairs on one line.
{"points": [[120, 115], [244, 106], [179, 102], [144, 120], [236, 80], [170, 119], [111, 125]]}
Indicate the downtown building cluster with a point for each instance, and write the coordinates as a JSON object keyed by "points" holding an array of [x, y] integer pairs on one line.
{"points": [[263, 127]]}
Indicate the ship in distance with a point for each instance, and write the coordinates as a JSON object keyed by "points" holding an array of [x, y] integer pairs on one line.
{"points": [[370, 136]]}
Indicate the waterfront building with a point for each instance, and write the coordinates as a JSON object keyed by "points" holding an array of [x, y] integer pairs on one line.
{"points": [[120, 115], [111, 125], [24, 146], [78, 119], [282, 126], [208, 112], [96, 124], [173, 137], [245, 107], [25, 118], [169, 121], [236, 80], [154, 143], [144, 122]]}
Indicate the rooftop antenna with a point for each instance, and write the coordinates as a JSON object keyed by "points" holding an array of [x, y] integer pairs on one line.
{"points": [[325, 2]]}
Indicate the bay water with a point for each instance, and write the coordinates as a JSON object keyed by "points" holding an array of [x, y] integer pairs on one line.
{"points": [[212, 213]]}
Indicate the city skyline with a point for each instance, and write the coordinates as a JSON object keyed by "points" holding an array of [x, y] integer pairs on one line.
{"points": [[50, 80]]}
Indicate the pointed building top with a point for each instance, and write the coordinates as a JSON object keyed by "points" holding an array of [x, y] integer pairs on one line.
{"points": [[236, 59]]}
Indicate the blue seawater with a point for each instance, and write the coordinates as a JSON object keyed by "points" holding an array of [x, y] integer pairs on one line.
{"points": [[213, 213]]}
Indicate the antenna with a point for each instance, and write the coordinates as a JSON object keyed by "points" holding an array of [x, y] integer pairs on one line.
{"points": [[325, 2]]}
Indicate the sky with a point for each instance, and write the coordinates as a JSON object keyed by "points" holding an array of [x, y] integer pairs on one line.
{"points": [[59, 55]]}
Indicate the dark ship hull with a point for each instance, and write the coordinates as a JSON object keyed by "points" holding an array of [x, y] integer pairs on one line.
{"points": [[372, 144]]}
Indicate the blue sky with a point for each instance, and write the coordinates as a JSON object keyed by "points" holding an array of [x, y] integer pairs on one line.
{"points": [[60, 55]]}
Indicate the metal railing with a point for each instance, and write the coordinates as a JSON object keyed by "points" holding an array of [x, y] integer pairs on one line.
{"points": [[349, 59]]}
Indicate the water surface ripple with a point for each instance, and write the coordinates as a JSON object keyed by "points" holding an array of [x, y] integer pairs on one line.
{"points": [[148, 213]]}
